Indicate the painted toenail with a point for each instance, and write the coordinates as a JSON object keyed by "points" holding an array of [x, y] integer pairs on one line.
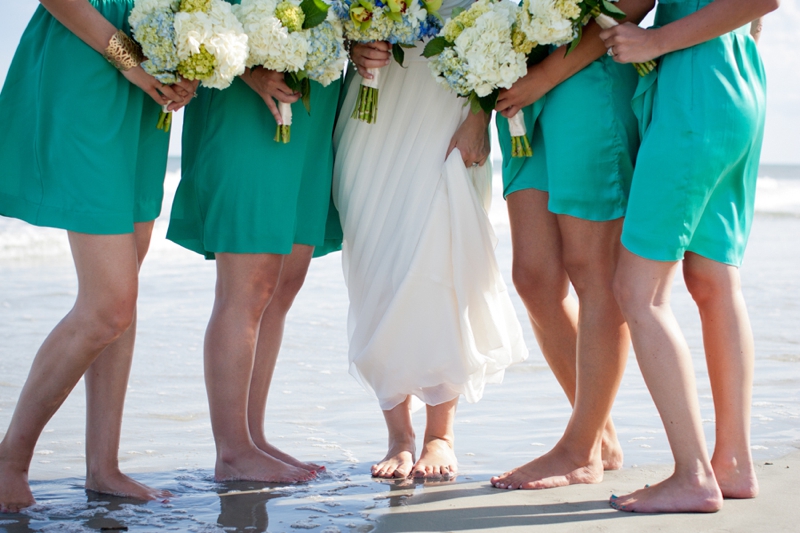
{"points": [[614, 496]]}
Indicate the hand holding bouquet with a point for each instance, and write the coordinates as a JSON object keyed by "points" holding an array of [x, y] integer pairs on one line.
{"points": [[195, 39], [479, 51], [398, 22], [559, 22], [302, 39]]}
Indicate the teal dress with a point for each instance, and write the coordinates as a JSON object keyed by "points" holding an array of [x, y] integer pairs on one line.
{"points": [[78, 142], [702, 120], [242, 192], [584, 138]]}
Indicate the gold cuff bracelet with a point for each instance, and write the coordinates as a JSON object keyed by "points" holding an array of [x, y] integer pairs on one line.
{"points": [[123, 52]]}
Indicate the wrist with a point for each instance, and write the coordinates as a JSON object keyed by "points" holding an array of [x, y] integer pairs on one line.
{"points": [[123, 52], [661, 40]]}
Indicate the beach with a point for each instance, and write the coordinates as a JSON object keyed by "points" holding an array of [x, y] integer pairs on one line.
{"points": [[319, 413]]}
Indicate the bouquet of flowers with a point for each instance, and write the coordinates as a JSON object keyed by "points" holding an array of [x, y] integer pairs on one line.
{"points": [[559, 22], [302, 39], [195, 39], [400, 22], [481, 50]]}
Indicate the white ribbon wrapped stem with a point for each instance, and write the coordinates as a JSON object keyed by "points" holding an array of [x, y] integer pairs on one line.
{"points": [[366, 82], [286, 113], [605, 22], [516, 125]]}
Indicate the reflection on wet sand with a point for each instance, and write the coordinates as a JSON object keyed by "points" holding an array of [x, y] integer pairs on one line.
{"points": [[243, 506]]}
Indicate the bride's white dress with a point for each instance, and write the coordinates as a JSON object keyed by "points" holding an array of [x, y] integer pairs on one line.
{"points": [[430, 315]]}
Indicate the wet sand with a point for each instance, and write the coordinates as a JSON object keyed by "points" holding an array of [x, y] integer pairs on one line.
{"points": [[476, 506]]}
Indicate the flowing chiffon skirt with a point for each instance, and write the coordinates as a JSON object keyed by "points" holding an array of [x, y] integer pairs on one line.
{"points": [[430, 315]]}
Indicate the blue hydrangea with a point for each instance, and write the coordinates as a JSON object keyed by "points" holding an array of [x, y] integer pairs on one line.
{"points": [[156, 34]]}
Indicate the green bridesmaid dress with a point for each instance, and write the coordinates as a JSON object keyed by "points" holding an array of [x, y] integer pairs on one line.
{"points": [[78, 143], [584, 138], [701, 114], [242, 192]]}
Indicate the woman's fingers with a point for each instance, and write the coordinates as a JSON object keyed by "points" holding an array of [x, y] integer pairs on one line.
{"points": [[189, 86], [286, 98], [376, 55], [379, 45], [364, 72], [273, 108], [170, 93], [608, 34]]}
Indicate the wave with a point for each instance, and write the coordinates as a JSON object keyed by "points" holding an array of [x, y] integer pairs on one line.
{"points": [[778, 193]]}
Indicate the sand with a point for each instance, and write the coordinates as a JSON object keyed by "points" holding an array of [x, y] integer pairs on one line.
{"points": [[476, 506]]}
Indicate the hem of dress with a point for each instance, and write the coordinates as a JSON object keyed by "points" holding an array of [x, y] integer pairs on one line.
{"points": [[198, 246], [665, 257], [69, 220], [508, 191], [557, 208]]}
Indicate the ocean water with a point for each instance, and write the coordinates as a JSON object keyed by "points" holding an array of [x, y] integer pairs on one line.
{"points": [[317, 411]]}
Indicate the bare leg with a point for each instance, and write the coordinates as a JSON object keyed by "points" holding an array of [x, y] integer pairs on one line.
{"points": [[106, 382], [438, 457], [643, 290], [104, 309], [728, 341], [270, 336], [245, 286], [590, 256], [400, 456], [542, 282]]}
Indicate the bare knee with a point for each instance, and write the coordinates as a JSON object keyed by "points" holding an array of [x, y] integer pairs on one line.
{"points": [[540, 285], [589, 274], [709, 286], [105, 321], [287, 290], [258, 296]]}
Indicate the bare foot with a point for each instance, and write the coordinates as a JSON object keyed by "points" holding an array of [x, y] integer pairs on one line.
{"points": [[398, 461], [15, 493], [256, 465], [735, 479], [118, 484], [556, 468], [699, 494], [268, 448], [611, 452], [437, 460]]}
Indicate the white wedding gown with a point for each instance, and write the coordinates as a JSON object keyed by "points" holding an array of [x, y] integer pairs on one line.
{"points": [[430, 315]]}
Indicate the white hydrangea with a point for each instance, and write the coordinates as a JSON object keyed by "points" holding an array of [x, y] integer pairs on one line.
{"points": [[271, 44], [550, 22], [482, 58], [221, 34]]}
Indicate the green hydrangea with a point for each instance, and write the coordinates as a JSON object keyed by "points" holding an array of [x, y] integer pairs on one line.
{"points": [[465, 19], [198, 66], [520, 42], [190, 6], [290, 15]]}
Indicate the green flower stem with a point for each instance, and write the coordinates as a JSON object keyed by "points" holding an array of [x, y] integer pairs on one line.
{"points": [[366, 108], [164, 120], [283, 134], [521, 147]]}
